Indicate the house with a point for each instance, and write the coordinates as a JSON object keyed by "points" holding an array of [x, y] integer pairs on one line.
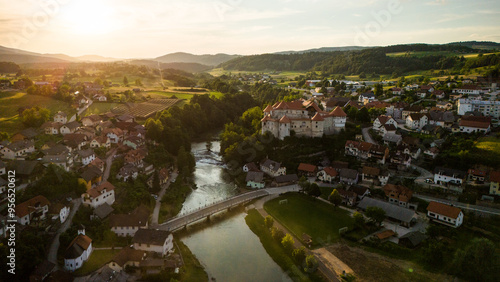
{"points": [[19, 149], [472, 124], [100, 98], [27, 171], [102, 211], [128, 224], [349, 198], [152, 240], [26, 134], [135, 157], [103, 193], [431, 152], [75, 140], [327, 174], [398, 194], [163, 176], [411, 110], [476, 175], [78, 251], [366, 98], [495, 183], [100, 141], [134, 142], [380, 121], [59, 212], [91, 176], [3, 186], [307, 169], [445, 214], [69, 127], [250, 167], [360, 191], [51, 128], [412, 239], [469, 89], [439, 94], [282, 180], [391, 138], [103, 125], [126, 118], [34, 209], [126, 257], [396, 90], [2, 168], [487, 108], [374, 175], [427, 88], [402, 215], [115, 135], [445, 176], [156, 265], [421, 94], [91, 120], [128, 170], [255, 179], [349, 176], [61, 117], [395, 110], [444, 105], [441, 118], [86, 156], [272, 168], [42, 271], [416, 120]]}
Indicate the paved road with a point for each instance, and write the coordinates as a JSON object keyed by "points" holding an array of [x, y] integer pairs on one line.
{"points": [[52, 253], [73, 118], [109, 162], [461, 205], [156, 211], [366, 135]]}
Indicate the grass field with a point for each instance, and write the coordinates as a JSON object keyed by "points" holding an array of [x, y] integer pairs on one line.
{"points": [[489, 144], [304, 214], [179, 95], [97, 259], [11, 101], [99, 108], [192, 269]]}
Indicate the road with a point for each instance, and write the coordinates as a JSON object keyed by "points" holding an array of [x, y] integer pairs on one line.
{"points": [[464, 206], [109, 162], [52, 253], [156, 211], [366, 135], [73, 118]]}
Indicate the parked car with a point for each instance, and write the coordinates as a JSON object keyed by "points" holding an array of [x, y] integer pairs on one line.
{"points": [[428, 180]]}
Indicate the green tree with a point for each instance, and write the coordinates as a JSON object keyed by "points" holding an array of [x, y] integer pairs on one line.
{"points": [[363, 115], [35, 117], [335, 197], [138, 82], [311, 262], [304, 184], [479, 261], [376, 214], [362, 75], [314, 190], [359, 219], [287, 242], [299, 254], [379, 90], [269, 221], [125, 81], [277, 234]]}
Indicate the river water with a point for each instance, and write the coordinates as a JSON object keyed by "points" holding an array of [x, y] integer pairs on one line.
{"points": [[228, 249]]}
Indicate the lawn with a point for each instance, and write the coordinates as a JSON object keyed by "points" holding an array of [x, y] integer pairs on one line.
{"points": [[192, 269], [99, 108], [179, 95], [97, 259], [304, 214], [490, 144], [11, 101]]}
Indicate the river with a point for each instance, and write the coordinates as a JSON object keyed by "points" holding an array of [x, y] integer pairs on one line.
{"points": [[228, 249]]}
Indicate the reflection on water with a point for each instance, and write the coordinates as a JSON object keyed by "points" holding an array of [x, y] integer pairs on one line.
{"points": [[228, 249]]}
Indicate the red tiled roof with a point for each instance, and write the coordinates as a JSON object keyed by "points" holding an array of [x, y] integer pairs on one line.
{"points": [[307, 167], [331, 171], [476, 124], [495, 176], [385, 234], [338, 112], [30, 205], [268, 109], [444, 209], [317, 117], [285, 119]]}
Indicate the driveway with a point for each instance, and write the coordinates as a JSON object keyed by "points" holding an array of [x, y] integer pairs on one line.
{"points": [[156, 211], [52, 253], [73, 118], [366, 135], [109, 162]]}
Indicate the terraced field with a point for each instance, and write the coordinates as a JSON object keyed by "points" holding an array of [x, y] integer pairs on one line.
{"points": [[145, 109]]}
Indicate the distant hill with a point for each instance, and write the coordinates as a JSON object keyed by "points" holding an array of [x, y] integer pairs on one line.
{"points": [[209, 60], [483, 45], [96, 58], [187, 67], [324, 49]]}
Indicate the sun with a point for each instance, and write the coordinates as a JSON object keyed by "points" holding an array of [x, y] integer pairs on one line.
{"points": [[90, 18]]}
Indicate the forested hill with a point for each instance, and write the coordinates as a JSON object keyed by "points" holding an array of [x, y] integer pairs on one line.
{"points": [[373, 60]]}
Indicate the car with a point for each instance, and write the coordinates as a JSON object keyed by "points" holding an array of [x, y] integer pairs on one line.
{"points": [[155, 196], [428, 180]]}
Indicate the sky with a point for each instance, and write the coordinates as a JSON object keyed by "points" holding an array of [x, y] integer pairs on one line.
{"points": [[151, 28]]}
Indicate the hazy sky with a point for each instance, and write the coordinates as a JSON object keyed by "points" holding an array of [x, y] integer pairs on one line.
{"points": [[151, 28]]}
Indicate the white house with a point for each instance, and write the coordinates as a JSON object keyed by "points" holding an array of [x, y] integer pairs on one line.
{"points": [[396, 91], [128, 224], [78, 251], [366, 98], [59, 212], [444, 175], [18, 149], [86, 156], [272, 168], [103, 193], [33, 209], [469, 89], [69, 127], [445, 214], [475, 124], [255, 179], [115, 135], [152, 240], [416, 120], [382, 120], [61, 117], [327, 174], [100, 141]]}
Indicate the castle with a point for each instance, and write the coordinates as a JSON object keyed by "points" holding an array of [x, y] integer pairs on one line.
{"points": [[305, 118]]}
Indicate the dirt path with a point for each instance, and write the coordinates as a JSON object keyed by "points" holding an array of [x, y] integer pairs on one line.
{"points": [[332, 262]]}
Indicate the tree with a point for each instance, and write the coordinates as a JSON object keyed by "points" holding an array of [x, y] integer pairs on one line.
{"points": [[363, 115], [379, 90], [304, 184], [138, 82], [35, 117], [359, 219], [299, 254], [362, 75], [311, 262], [314, 190], [335, 197], [269, 221], [376, 214], [287, 242], [479, 261], [277, 234], [125, 81]]}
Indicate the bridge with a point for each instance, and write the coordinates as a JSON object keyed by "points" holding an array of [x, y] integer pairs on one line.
{"points": [[183, 220]]}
